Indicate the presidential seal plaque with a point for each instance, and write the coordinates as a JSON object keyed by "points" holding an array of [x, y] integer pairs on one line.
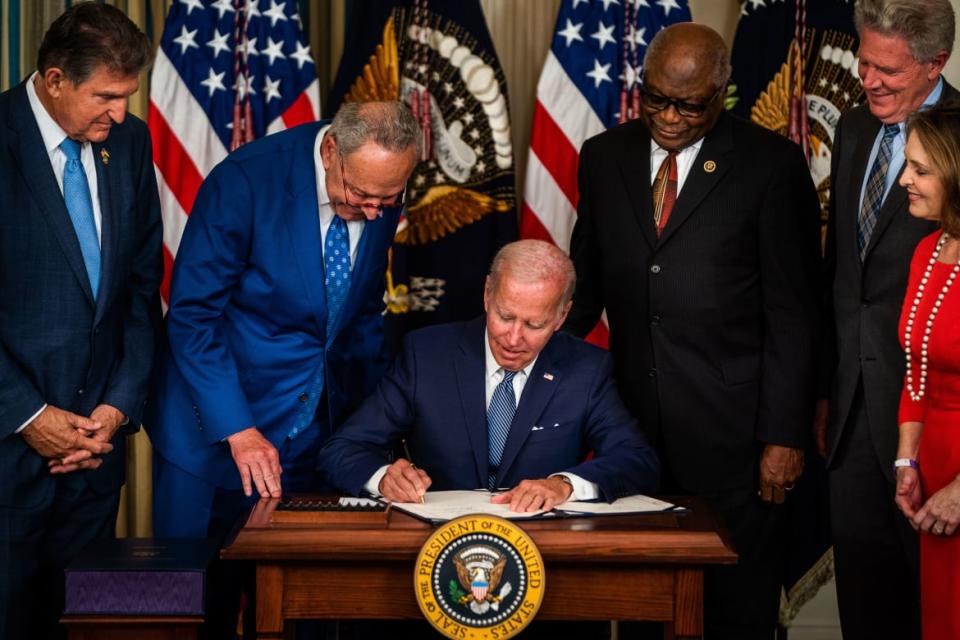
{"points": [[479, 577]]}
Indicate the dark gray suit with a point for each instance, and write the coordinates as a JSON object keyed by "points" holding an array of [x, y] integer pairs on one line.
{"points": [[876, 551], [59, 346]]}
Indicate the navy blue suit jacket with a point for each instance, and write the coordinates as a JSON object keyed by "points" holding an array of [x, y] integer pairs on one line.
{"points": [[57, 345], [248, 341], [435, 397]]}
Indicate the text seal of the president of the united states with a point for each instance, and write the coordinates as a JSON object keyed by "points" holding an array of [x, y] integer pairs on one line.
{"points": [[479, 577]]}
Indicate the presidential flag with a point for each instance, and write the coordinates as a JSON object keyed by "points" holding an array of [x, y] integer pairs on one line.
{"points": [[461, 202], [589, 83], [795, 72], [226, 72]]}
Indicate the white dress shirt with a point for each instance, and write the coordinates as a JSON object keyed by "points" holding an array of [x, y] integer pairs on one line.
{"points": [[325, 209], [685, 160], [582, 489]]}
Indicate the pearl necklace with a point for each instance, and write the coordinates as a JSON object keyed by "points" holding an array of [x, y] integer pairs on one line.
{"points": [[918, 394]]}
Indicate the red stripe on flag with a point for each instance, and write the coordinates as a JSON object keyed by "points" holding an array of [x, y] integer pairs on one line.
{"points": [[167, 273], [600, 336], [172, 160], [555, 152], [531, 227], [300, 112]]}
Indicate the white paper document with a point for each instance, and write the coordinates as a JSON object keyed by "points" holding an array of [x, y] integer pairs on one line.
{"points": [[630, 504], [440, 506]]}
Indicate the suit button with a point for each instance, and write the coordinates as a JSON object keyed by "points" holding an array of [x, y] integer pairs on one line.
{"points": [[654, 321], [79, 392], [303, 397], [865, 304], [652, 373], [655, 268]]}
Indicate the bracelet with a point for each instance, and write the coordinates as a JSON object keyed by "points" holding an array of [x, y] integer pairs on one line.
{"points": [[905, 462]]}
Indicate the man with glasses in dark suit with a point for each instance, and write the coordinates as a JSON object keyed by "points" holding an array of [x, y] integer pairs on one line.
{"points": [[699, 235]]}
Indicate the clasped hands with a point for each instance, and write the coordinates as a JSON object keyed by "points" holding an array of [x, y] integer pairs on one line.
{"points": [[939, 515], [71, 442], [779, 469], [404, 482]]}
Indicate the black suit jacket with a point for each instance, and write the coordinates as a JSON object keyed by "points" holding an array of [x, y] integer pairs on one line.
{"points": [[713, 326], [58, 345], [863, 301]]}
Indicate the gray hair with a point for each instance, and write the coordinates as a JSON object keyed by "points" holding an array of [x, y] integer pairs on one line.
{"points": [[926, 25], [389, 124], [711, 50], [535, 261]]}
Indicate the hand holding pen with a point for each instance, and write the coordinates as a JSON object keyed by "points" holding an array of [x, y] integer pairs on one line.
{"points": [[404, 481]]}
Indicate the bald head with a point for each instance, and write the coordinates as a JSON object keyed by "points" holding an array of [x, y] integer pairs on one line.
{"points": [[688, 48], [686, 70]]}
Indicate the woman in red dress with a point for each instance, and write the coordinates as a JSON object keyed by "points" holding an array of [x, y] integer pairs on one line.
{"points": [[928, 455]]}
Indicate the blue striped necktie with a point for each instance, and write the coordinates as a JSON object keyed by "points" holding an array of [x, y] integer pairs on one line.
{"points": [[503, 404], [876, 186], [336, 254], [76, 195]]}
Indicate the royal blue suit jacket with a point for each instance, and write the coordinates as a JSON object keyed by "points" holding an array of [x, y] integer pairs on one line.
{"points": [[434, 396], [248, 341], [57, 344]]}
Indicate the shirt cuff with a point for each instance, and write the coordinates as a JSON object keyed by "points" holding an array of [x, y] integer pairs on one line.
{"points": [[31, 419], [373, 484], [582, 489]]}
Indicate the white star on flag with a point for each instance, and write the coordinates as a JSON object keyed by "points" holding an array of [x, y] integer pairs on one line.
{"points": [[275, 12], [273, 50], [271, 89], [301, 55], [218, 43], [604, 34], [192, 4], [185, 39], [571, 32], [667, 5], [214, 82], [599, 73]]}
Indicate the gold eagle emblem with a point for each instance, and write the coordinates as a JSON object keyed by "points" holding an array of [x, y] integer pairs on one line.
{"points": [[444, 209]]}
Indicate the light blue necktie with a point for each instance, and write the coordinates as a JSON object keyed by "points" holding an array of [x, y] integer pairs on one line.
{"points": [[76, 195], [336, 254], [503, 405], [876, 185]]}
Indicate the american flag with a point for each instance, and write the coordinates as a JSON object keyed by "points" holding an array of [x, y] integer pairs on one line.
{"points": [[226, 72], [588, 79]]}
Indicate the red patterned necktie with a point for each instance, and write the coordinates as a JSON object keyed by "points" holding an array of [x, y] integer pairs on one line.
{"points": [[664, 191]]}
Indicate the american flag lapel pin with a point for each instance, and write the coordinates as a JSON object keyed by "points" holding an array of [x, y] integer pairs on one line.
{"points": [[548, 376], [104, 156]]}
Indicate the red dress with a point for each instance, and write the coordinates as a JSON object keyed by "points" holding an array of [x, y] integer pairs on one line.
{"points": [[939, 411]]}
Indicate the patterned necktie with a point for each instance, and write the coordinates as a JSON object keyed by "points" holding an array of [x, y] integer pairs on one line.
{"points": [[503, 404], [336, 253], [876, 185], [664, 191], [76, 195]]}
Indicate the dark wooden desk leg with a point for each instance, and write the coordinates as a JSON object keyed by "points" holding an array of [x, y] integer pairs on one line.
{"points": [[270, 601], [688, 605]]}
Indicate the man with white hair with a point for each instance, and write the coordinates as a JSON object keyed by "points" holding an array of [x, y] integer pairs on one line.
{"points": [[500, 401], [904, 45]]}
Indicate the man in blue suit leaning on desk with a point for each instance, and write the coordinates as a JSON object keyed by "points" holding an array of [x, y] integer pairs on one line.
{"points": [[501, 401], [275, 328]]}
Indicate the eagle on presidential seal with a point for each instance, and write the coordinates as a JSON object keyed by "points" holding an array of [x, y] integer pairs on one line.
{"points": [[458, 95], [479, 571]]}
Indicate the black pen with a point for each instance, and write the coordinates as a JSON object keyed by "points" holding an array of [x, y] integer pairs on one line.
{"points": [[406, 452]]}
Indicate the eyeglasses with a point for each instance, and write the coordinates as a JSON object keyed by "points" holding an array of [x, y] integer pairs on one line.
{"points": [[366, 202], [655, 103]]}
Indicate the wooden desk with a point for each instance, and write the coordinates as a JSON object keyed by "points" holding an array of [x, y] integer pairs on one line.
{"points": [[608, 568]]}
